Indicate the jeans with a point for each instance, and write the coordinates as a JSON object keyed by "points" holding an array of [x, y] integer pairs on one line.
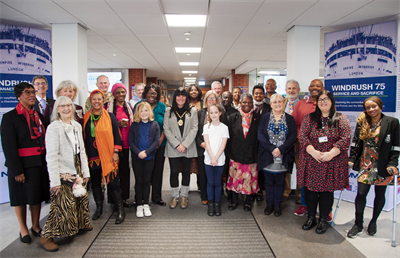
{"points": [[214, 187]]}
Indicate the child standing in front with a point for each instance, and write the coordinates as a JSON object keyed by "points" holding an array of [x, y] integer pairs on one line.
{"points": [[215, 135], [144, 136]]}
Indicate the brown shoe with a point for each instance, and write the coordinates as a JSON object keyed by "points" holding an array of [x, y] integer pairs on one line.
{"points": [[184, 202], [173, 203], [48, 244], [89, 228], [284, 198], [204, 202]]}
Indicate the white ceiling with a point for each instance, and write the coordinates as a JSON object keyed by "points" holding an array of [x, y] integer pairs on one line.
{"points": [[236, 31]]}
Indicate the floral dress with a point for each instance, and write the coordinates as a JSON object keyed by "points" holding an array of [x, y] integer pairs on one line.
{"points": [[368, 173], [325, 176]]}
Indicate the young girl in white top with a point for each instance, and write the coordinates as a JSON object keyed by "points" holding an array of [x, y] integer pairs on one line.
{"points": [[215, 135]]}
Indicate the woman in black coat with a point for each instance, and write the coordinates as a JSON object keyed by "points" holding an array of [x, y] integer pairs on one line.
{"points": [[374, 153], [277, 134], [243, 172], [22, 137]]}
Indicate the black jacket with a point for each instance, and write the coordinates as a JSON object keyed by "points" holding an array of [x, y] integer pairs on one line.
{"points": [[199, 137], [49, 109], [226, 115], [243, 150], [265, 148], [15, 139], [388, 145]]}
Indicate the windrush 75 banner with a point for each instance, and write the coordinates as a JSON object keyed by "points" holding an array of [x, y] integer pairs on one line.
{"points": [[359, 63], [24, 53]]}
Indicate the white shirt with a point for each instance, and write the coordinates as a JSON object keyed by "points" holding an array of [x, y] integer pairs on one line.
{"points": [[215, 136]]}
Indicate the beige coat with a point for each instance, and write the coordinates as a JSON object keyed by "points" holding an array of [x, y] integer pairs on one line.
{"points": [[173, 134]]}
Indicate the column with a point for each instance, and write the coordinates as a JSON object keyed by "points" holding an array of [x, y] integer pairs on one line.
{"points": [[303, 51], [69, 46]]}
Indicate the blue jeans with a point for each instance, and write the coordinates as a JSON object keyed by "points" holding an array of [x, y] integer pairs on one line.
{"points": [[303, 200], [214, 177], [274, 186]]}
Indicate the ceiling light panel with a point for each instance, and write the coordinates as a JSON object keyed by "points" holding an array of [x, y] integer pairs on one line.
{"points": [[189, 63], [189, 78], [178, 20], [189, 71], [188, 49]]}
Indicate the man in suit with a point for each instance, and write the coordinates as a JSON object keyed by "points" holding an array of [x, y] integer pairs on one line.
{"points": [[292, 97], [42, 102]]}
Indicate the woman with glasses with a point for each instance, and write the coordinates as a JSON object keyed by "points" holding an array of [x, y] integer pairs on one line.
{"points": [[22, 138], [324, 140], [374, 154], [180, 128], [210, 98], [152, 95], [69, 173]]}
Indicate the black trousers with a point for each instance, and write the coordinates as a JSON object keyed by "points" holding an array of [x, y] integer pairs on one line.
{"points": [[174, 165], [157, 175], [142, 170], [323, 199], [97, 174], [125, 174], [202, 178]]}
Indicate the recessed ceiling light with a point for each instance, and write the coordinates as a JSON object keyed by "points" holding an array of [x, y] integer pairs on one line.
{"points": [[188, 49], [189, 71], [188, 54], [187, 38], [189, 63], [114, 54], [178, 20], [189, 78]]}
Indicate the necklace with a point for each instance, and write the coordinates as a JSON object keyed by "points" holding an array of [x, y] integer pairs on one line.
{"points": [[180, 121], [92, 124]]}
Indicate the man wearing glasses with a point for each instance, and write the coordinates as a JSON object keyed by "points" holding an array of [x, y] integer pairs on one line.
{"points": [[41, 87]]}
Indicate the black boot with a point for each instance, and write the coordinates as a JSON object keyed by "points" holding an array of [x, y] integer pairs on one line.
{"points": [[323, 225], [98, 198], [119, 205], [217, 209], [310, 223], [211, 208]]}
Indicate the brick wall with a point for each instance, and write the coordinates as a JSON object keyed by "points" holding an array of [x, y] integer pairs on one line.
{"points": [[225, 84], [151, 80], [241, 80]]}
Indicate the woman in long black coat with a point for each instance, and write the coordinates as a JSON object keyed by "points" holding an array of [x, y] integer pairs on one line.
{"points": [[22, 137]]}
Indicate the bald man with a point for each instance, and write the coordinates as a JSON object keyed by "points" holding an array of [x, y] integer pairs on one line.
{"points": [[270, 89], [102, 84]]}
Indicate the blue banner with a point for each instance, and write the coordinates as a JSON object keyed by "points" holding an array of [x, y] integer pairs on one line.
{"points": [[7, 83], [350, 93]]}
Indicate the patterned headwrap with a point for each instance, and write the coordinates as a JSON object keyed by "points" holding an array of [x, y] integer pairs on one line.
{"points": [[96, 92]]}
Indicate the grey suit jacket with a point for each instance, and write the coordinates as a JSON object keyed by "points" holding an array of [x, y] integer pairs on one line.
{"points": [[173, 134]]}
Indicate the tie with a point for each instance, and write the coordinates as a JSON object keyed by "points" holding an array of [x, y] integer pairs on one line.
{"points": [[290, 107], [43, 104]]}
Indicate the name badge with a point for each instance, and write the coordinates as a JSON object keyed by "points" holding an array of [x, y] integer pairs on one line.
{"points": [[323, 139]]}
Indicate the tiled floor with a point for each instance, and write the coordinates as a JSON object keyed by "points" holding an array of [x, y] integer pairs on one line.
{"points": [[375, 246]]}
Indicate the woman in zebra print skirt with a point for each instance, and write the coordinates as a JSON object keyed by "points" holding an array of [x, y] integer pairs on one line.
{"points": [[68, 170]]}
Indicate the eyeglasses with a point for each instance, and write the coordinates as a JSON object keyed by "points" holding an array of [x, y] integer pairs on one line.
{"points": [[40, 83], [30, 92], [152, 93], [211, 98], [66, 105], [324, 100]]}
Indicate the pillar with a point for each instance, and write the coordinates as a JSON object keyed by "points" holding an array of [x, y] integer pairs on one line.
{"points": [[69, 47], [303, 51]]}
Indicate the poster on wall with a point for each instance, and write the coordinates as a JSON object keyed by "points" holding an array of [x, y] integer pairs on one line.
{"points": [[24, 53], [359, 63]]}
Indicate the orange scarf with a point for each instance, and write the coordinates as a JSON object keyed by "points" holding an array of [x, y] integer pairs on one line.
{"points": [[105, 142]]}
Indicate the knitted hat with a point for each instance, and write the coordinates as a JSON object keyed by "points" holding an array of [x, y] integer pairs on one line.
{"points": [[116, 86]]}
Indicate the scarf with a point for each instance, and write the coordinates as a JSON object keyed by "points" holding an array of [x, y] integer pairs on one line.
{"points": [[110, 108], [258, 105], [246, 121], [104, 142], [35, 132]]}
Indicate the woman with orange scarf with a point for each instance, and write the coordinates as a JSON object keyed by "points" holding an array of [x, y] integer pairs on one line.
{"points": [[103, 145]]}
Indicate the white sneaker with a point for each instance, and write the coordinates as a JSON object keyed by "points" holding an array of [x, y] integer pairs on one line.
{"points": [[146, 210], [139, 211]]}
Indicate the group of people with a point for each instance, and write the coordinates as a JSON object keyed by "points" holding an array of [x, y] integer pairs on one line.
{"points": [[248, 141]]}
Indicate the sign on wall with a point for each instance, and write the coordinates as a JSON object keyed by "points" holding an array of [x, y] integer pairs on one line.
{"points": [[24, 53]]}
